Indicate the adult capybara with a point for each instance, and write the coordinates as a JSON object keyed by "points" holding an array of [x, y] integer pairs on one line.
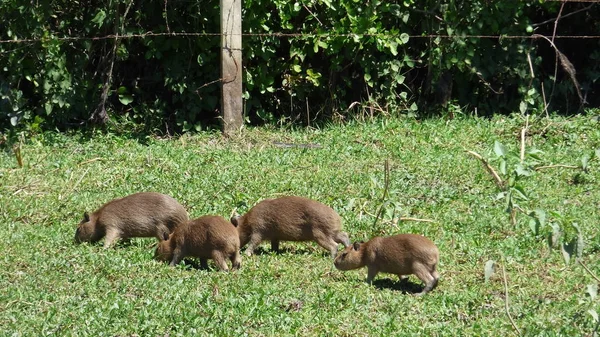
{"points": [[208, 237], [144, 214], [402, 254], [291, 219]]}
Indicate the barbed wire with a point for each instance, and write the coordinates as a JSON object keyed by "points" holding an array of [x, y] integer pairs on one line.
{"points": [[324, 35]]}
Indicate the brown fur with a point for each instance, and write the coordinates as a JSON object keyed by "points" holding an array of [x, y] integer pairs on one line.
{"points": [[402, 254], [291, 219], [143, 214], [208, 237]]}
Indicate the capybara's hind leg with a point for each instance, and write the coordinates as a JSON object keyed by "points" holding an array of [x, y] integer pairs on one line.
{"points": [[425, 275], [342, 237], [327, 243], [255, 240], [219, 259], [236, 260]]}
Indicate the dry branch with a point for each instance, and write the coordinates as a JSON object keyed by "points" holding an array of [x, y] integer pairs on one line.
{"points": [[506, 302], [489, 168], [589, 271]]}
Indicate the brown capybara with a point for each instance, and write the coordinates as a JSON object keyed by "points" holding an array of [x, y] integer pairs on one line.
{"points": [[208, 237], [144, 214], [290, 219], [402, 254]]}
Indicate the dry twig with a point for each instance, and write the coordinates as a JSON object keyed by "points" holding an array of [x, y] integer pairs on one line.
{"points": [[506, 302], [489, 168], [589, 271]]}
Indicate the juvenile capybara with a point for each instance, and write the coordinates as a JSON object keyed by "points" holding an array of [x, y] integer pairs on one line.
{"points": [[402, 254], [208, 237], [291, 219], [144, 214]]}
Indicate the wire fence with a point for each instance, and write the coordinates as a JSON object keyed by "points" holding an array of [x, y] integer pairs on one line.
{"points": [[308, 35]]}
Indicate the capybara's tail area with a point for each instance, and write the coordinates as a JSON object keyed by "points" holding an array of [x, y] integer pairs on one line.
{"points": [[342, 237]]}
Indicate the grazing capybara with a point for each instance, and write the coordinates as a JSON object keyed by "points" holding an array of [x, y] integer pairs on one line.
{"points": [[402, 254], [291, 219], [208, 237], [144, 214]]}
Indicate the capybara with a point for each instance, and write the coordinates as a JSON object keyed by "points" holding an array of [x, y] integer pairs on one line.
{"points": [[291, 218], [402, 254], [144, 214], [208, 237]]}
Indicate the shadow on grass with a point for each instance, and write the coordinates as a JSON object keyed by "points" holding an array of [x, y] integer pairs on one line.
{"points": [[404, 286]]}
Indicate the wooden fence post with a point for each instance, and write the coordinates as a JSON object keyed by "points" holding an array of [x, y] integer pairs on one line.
{"points": [[231, 66]]}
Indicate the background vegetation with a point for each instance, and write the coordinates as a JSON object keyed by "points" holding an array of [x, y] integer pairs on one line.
{"points": [[50, 286], [170, 83]]}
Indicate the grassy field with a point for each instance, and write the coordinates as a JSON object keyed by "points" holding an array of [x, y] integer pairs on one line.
{"points": [[50, 286]]}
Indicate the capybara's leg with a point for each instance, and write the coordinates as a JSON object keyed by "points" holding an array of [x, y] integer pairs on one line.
{"points": [[111, 236], [424, 274], [177, 257], [342, 237], [371, 273], [204, 264], [275, 245], [236, 260], [327, 243], [219, 259], [255, 240]]}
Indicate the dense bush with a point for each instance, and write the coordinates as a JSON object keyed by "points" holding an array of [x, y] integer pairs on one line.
{"points": [[377, 53]]}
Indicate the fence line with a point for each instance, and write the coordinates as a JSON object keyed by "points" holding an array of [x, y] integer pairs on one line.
{"points": [[324, 35]]}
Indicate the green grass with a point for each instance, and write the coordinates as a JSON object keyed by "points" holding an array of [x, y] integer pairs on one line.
{"points": [[50, 286]]}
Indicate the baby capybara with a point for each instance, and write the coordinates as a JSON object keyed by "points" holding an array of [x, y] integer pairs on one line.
{"points": [[291, 219], [402, 254], [208, 237], [144, 214]]}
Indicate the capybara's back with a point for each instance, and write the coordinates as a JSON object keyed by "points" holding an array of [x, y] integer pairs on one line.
{"points": [[145, 214], [291, 218]]}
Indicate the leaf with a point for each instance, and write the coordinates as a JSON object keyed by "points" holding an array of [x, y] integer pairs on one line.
{"points": [[125, 99], [521, 171], [503, 167], [499, 149], [534, 225], [523, 107], [597, 153], [567, 250], [540, 215], [592, 290], [594, 314], [584, 161], [99, 18], [554, 236], [404, 37], [520, 192], [489, 269]]}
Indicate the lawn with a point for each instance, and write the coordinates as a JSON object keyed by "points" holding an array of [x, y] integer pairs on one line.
{"points": [[51, 286]]}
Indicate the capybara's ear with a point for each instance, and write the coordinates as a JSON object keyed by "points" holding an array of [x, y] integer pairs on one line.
{"points": [[234, 220], [86, 217], [357, 244], [166, 236]]}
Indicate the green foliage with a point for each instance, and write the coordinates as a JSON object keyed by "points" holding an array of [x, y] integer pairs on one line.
{"points": [[378, 53]]}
